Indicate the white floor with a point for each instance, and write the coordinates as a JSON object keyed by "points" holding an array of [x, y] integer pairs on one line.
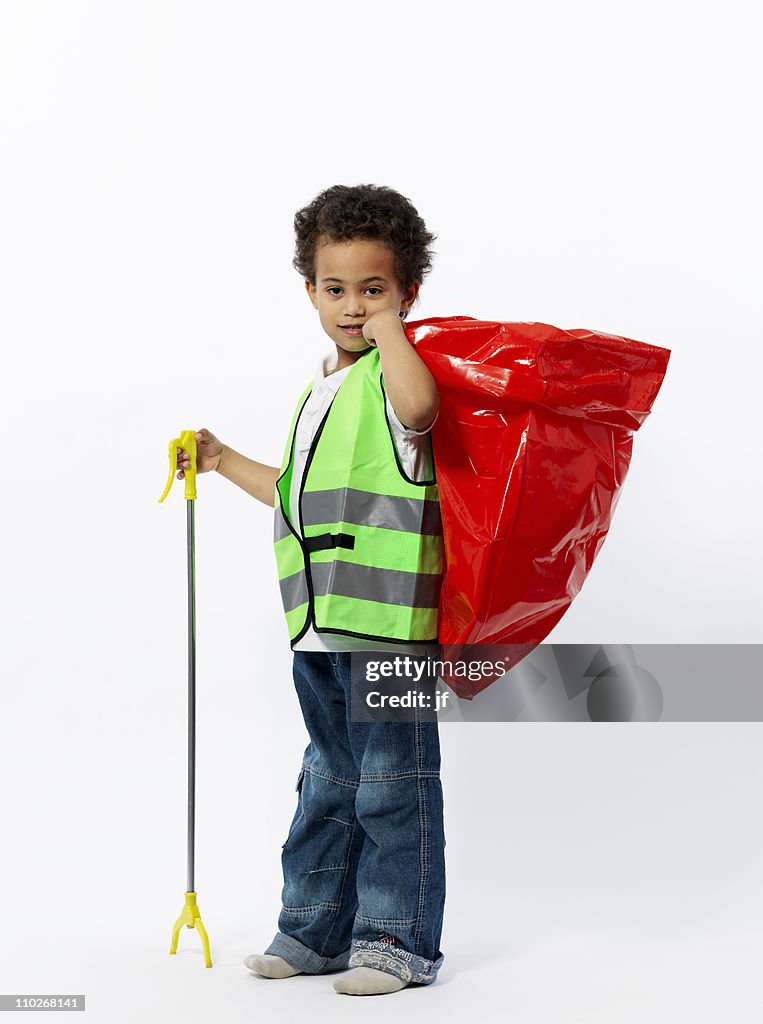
{"points": [[603, 975]]}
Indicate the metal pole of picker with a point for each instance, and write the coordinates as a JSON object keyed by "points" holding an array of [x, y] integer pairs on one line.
{"points": [[190, 914]]}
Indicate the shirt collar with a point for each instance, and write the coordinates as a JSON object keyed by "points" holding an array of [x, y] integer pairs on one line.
{"points": [[325, 363]]}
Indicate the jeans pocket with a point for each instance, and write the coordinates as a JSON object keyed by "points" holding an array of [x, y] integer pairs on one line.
{"points": [[299, 813]]}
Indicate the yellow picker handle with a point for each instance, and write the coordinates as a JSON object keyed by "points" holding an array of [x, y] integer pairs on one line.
{"points": [[187, 440]]}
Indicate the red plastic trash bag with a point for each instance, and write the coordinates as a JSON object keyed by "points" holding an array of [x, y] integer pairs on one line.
{"points": [[531, 448]]}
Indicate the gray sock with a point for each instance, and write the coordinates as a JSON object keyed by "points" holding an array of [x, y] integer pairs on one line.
{"points": [[368, 981], [270, 966]]}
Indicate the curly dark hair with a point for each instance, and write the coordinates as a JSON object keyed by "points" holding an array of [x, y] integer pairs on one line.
{"points": [[344, 212]]}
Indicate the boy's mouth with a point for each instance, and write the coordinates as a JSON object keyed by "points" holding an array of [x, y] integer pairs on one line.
{"points": [[351, 329]]}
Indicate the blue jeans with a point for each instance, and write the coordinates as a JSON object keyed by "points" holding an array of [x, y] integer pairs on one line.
{"points": [[364, 860]]}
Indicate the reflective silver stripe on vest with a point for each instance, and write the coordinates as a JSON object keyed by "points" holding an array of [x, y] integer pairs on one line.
{"points": [[392, 586], [293, 590], [281, 527], [362, 508]]}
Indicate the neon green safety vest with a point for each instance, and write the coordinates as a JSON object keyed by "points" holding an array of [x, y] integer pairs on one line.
{"points": [[362, 554]]}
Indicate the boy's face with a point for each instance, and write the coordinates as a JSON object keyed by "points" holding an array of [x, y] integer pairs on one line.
{"points": [[353, 280]]}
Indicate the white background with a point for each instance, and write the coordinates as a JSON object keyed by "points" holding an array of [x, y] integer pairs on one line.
{"points": [[585, 165]]}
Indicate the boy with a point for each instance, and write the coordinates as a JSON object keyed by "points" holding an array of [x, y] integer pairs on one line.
{"points": [[358, 542]]}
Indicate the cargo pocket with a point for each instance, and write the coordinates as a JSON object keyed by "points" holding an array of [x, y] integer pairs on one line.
{"points": [[299, 813]]}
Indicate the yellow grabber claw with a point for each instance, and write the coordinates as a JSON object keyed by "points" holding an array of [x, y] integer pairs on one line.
{"points": [[191, 916], [187, 440]]}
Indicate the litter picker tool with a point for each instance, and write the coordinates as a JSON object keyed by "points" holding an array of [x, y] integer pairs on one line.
{"points": [[190, 914]]}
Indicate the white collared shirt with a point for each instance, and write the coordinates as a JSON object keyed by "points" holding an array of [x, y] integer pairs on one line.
{"points": [[415, 456]]}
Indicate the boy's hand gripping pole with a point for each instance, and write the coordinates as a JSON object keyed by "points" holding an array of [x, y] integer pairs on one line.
{"points": [[190, 915]]}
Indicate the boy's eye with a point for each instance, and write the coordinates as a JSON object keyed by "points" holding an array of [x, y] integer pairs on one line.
{"points": [[371, 287]]}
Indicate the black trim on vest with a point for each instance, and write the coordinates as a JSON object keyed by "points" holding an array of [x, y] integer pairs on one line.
{"points": [[370, 636], [310, 619], [290, 460], [300, 540], [322, 541], [403, 474]]}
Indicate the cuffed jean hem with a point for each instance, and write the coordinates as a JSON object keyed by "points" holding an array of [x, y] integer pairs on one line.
{"points": [[298, 955], [403, 965]]}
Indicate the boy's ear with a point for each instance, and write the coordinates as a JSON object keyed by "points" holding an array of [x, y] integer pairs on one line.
{"points": [[311, 290], [410, 295]]}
